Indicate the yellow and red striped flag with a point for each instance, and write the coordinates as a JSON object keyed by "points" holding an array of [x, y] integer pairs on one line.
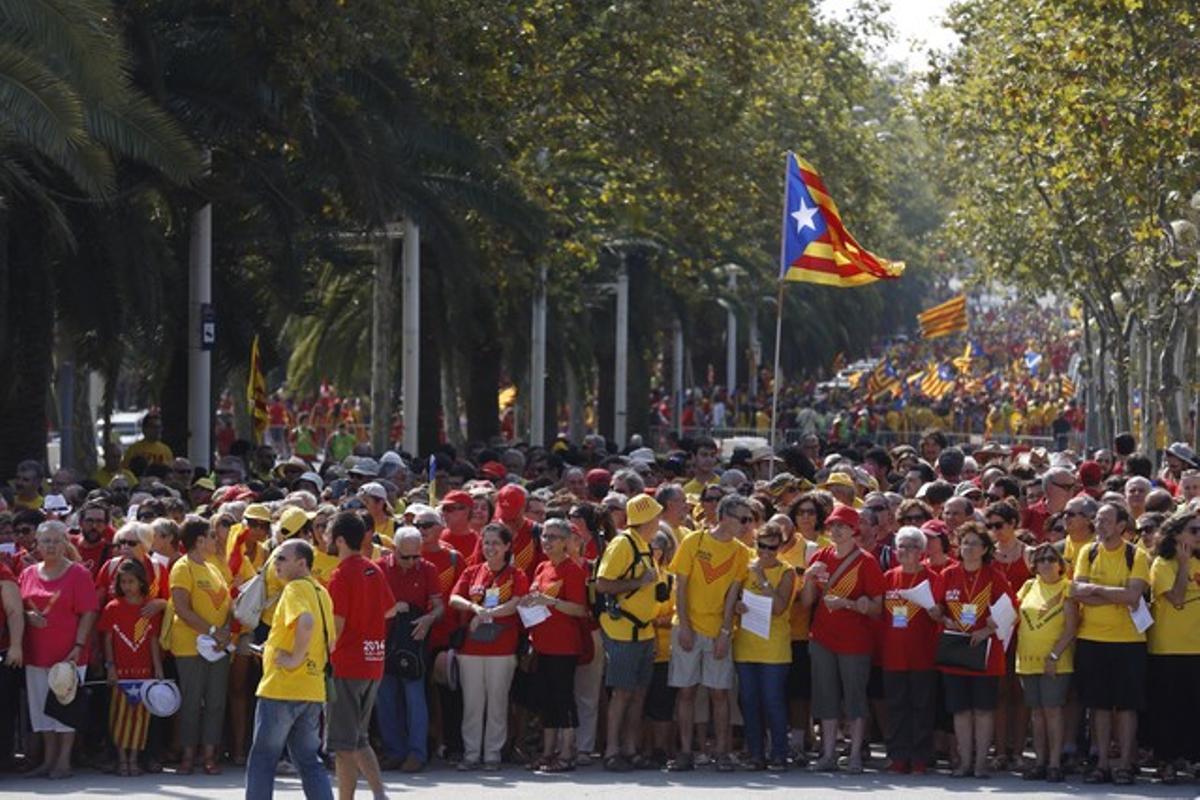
{"points": [[816, 247], [944, 318], [256, 395]]}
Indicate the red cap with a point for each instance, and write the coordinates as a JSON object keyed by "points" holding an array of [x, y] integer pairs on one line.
{"points": [[937, 527], [510, 502], [494, 470], [1090, 473], [598, 477], [458, 498], [843, 514]]}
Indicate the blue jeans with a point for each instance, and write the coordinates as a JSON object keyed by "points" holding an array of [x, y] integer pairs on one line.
{"points": [[403, 718], [295, 724], [762, 690]]}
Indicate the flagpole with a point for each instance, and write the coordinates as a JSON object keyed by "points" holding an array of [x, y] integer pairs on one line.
{"points": [[779, 317]]}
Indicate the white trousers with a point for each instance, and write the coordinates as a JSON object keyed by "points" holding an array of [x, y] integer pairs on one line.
{"points": [[485, 682]]}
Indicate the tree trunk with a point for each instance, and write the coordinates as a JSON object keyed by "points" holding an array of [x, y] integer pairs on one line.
{"points": [[1169, 384], [484, 353], [173, 397], [27, 329], [429, 395], [1121, 366]]}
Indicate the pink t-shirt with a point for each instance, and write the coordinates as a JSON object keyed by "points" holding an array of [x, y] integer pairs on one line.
{"points": [[62, 601]]}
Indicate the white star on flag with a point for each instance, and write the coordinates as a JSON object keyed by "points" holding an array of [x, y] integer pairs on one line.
{"points": [[804, 216]]}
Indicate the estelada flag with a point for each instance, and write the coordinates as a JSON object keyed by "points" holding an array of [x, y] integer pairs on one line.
{"points": [[256, 394], [815, 246], [944, 318]]}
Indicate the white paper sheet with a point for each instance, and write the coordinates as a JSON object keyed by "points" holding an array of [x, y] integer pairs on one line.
{"points": [[533, 615], [1142, 618], [1005, 617], [756, 618], [920, 594], [810, 551]]}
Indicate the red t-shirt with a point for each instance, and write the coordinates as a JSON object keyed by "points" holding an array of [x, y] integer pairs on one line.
{"points": [[361, 597], [6, 574], [1016, 572], [92, 555], [448, 563], [160, 579], [414, 585], [478, 583], [1034, 519], [950, 562], [966, 598], [526, 552], [132, 637], [845, 631], [62, 601], [464, 543], [559, 635], [908, 634]]}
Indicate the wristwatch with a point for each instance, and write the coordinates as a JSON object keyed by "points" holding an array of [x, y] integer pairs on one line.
{"points": [[212, 629], [1053, 656]]}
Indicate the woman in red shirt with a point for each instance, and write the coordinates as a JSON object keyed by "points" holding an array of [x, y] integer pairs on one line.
{"points": [[968, 591], [559, 585], [1012, 559], [845, 584], [909, 645], [487, 595]]}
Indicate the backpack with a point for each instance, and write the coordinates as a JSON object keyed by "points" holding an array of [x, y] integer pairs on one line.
{"points": [[610, 603], [1094, 551]]}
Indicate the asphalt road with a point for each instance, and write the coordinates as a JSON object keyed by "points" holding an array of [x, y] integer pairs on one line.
{"points": [[446, 784]]}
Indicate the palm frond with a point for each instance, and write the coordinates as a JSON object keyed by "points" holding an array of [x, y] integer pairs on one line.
{"points": [[136, 128]]}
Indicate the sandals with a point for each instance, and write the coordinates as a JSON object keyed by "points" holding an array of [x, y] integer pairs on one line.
{"points": [[639, 761], [557, 765], [824, 764], [1122, 777], [1097, 775], [726, 763], [1035, 773], [618, 763], [684, 762]]}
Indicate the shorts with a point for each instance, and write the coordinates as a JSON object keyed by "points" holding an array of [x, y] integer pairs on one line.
{"points": [[875, 683], [349, 716], [556, 690], [1111, 675], [839, 683], [799, 679], [971, 692], [630, 664], [699, 666], [1045, 691], [660, 700]]}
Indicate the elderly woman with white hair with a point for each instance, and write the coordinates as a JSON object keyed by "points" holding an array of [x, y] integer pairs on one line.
{"points": [[909, 645], [60, 610]]}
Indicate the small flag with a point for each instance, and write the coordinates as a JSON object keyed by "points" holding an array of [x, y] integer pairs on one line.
{"points": [[1067, 389], [944, 318], [1032, 361], [938, 381], [963, 362], [816, 247], [256, 394], [432, 475]]}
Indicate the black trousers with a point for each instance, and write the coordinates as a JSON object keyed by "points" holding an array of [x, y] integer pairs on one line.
{"points": [[1173, 705], [910, 698]]}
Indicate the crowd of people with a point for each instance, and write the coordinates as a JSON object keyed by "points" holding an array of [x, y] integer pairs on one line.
{"points": [[825, 607]]}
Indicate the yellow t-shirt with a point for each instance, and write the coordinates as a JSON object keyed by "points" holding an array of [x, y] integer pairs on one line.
{"points": [[386, 532], [615, 566], [103, 477], [777, 649], [323, 566], [1176, 631], [1041, 608], [1110, 623], [307, 681], [209, 594], [32, 504], [693, 488], [711, 567], [153, 452], [662, 636], [800, 617]]}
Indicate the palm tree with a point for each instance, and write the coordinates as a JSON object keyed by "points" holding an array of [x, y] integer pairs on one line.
{"points": [[69, 117]]}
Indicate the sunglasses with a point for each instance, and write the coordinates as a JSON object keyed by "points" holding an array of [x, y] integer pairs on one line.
{"points": [[1046, 560], [745, 520], [423, 526], [146, 516], [995, 526], [128, 542], [913, 519], [408, 558], [768, 547]]}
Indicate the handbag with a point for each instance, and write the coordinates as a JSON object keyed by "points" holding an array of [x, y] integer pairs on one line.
{"points": [[404, 656], [252, 599], [955, 650], [330, 686]]}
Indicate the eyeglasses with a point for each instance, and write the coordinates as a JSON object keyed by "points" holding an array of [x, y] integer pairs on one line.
{"points": [[995, 526], [552, 537], [1151, 528], [423, 526], [913, 519], [745, 520], [1045, 560], [909, 547], [710, 499], [1069, 513], [148, 515], [768, 547], [969, 543], [806, 511], [127, 542], [408, 558]]}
